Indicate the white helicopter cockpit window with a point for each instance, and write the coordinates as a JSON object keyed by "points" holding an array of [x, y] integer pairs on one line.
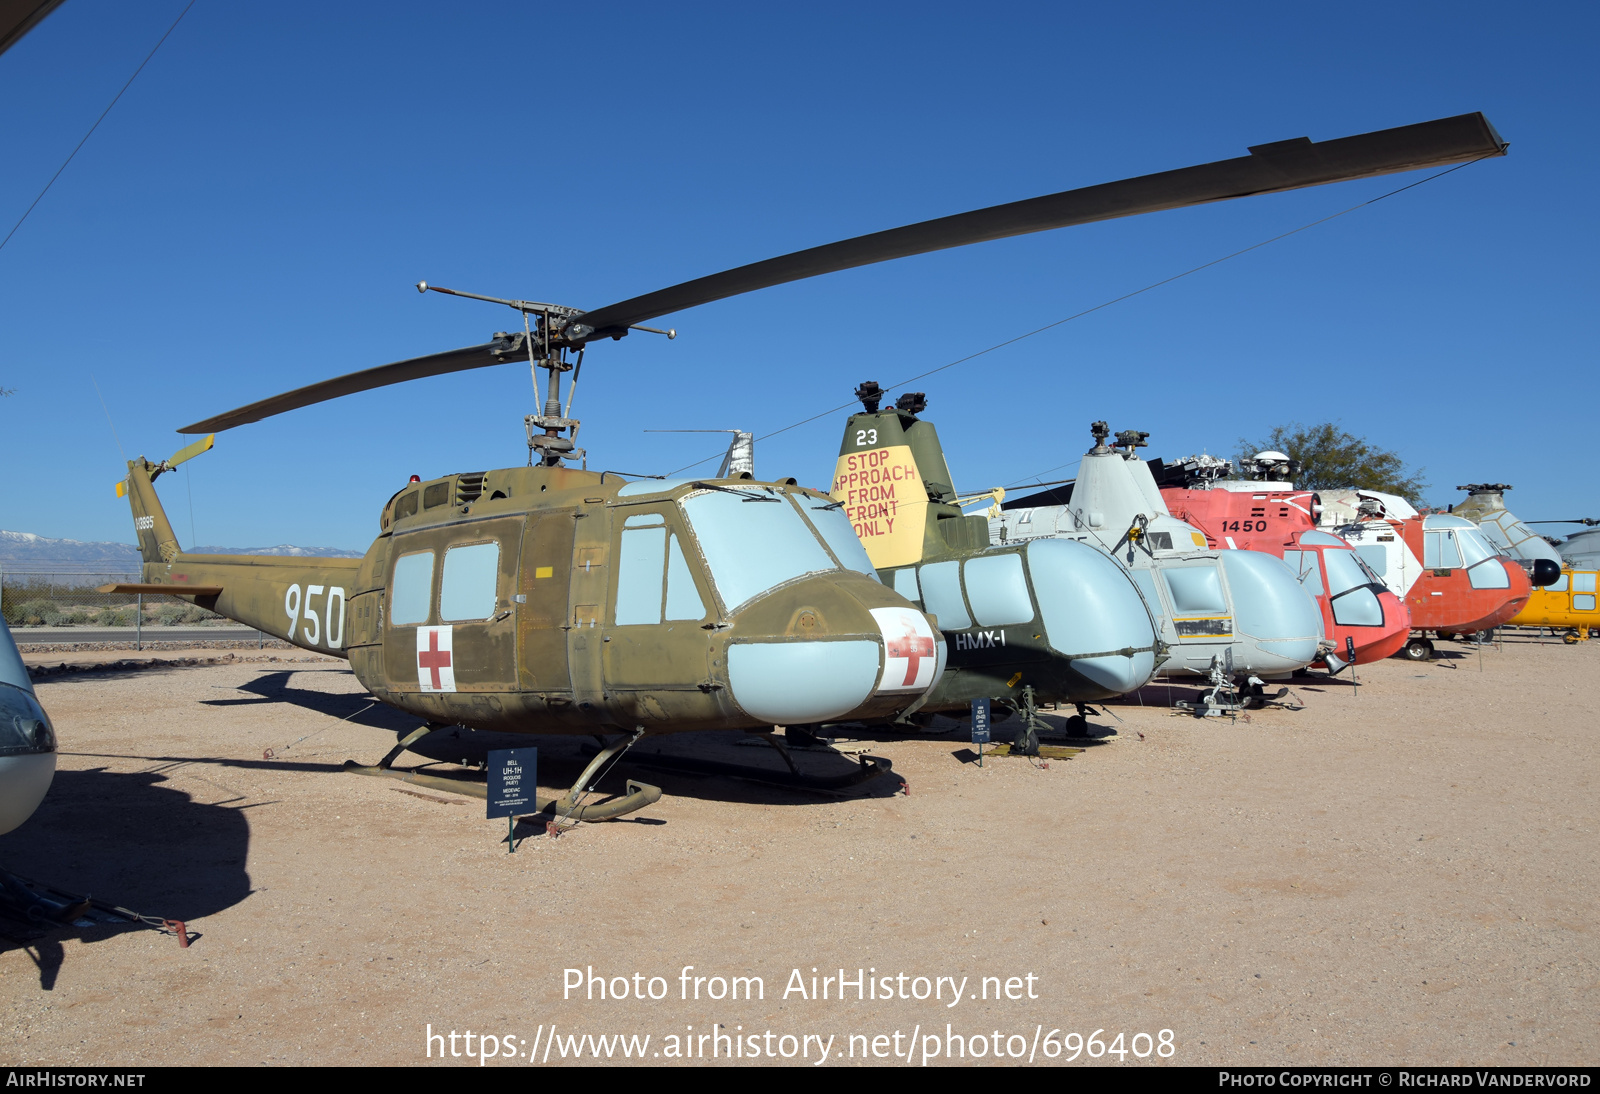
{"points": [[837, 533], [467, 585], [412, 589], [1355, 604], [1305, 567], [653, 577], [753, 540], [1482, 561]]}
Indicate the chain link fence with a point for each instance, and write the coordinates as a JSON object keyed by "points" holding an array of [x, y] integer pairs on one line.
{"points": [[39, 594]]}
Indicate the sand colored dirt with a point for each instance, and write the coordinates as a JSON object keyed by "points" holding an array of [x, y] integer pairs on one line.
{"points": [[1404, 875]]}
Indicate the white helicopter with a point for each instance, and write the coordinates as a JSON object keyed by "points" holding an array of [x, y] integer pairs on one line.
{"points": [[27, 763], [1220, 612], [1581, 550], [27, 740]]}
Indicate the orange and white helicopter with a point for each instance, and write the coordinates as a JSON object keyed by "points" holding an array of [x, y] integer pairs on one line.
{"points": [[1364, 619], [1452, 578]]}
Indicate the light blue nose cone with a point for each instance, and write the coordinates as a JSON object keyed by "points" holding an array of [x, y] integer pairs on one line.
{"points": [[1089, 606], [798, 683], [24, 780], [1272, 607]]}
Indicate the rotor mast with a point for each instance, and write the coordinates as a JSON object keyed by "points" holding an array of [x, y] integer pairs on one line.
{"points": [[549, 331]]}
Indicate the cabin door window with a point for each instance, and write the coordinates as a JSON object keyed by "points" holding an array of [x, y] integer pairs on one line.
{"points": [[412, 589]]}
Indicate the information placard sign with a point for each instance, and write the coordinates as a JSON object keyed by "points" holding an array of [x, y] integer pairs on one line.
{"points": [[513, 781], [980, 721]]}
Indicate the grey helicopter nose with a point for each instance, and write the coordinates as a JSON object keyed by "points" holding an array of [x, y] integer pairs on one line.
{"points": [[1272, 607], [1093, 614]]}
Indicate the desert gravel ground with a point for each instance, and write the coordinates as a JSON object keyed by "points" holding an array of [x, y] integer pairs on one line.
{"points": [[1404, 874]]}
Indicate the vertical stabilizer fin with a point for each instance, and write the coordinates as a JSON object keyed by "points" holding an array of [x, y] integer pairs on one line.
{"points": [[158, 544], [895, 485]]}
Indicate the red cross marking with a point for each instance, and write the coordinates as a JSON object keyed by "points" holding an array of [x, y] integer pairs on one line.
{"points": [[913, 647], [434, 658]]}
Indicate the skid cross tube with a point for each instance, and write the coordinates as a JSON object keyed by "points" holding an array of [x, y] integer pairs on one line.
{"points": [[638, 794]]}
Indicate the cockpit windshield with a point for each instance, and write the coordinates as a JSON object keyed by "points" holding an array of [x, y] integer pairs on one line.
{"points": [[753, 538], [1484, 569], [1345, 570], [837, 532], [1475, 547]]}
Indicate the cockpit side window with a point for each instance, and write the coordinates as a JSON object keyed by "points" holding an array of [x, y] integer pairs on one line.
{"points": [[654, 581], [467, 587], [1440, 550], [640, 565], [752, 540], [412, 589], [941, 595]]}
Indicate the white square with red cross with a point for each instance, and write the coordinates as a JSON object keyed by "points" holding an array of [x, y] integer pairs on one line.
{"points": [[910, 649], [435, 659]]}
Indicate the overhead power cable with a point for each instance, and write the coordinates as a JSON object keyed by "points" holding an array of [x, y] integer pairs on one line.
{"points": [[1104, 305], [96, 125]]}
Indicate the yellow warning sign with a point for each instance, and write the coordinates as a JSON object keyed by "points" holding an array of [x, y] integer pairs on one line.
{"points": [[886, 501]]}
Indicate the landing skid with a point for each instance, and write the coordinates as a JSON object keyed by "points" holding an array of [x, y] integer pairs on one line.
{"points": [[868, 768], [17, 898], [43, 907], [567, 807], [1043, 752]]}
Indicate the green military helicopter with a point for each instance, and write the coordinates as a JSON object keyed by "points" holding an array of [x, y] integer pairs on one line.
{"points": [[1025, 623], [550, 599]]}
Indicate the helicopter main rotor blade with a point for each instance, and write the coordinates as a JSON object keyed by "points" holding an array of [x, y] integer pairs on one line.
{"points": [[436, 364], [1284, 165], [1269, 168], [18, 17]]}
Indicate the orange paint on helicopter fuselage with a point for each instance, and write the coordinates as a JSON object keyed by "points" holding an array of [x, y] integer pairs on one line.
{"points": [[1444, 599], [1276, 522]]}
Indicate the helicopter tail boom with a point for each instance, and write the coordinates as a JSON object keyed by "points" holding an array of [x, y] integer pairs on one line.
{"points": [[301, 600]]}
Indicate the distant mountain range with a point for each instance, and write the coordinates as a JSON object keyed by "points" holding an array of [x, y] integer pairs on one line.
{"points": [[31, 551]]}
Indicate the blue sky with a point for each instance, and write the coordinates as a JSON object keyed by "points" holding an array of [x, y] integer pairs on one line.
{"points": [[252, 215]]}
